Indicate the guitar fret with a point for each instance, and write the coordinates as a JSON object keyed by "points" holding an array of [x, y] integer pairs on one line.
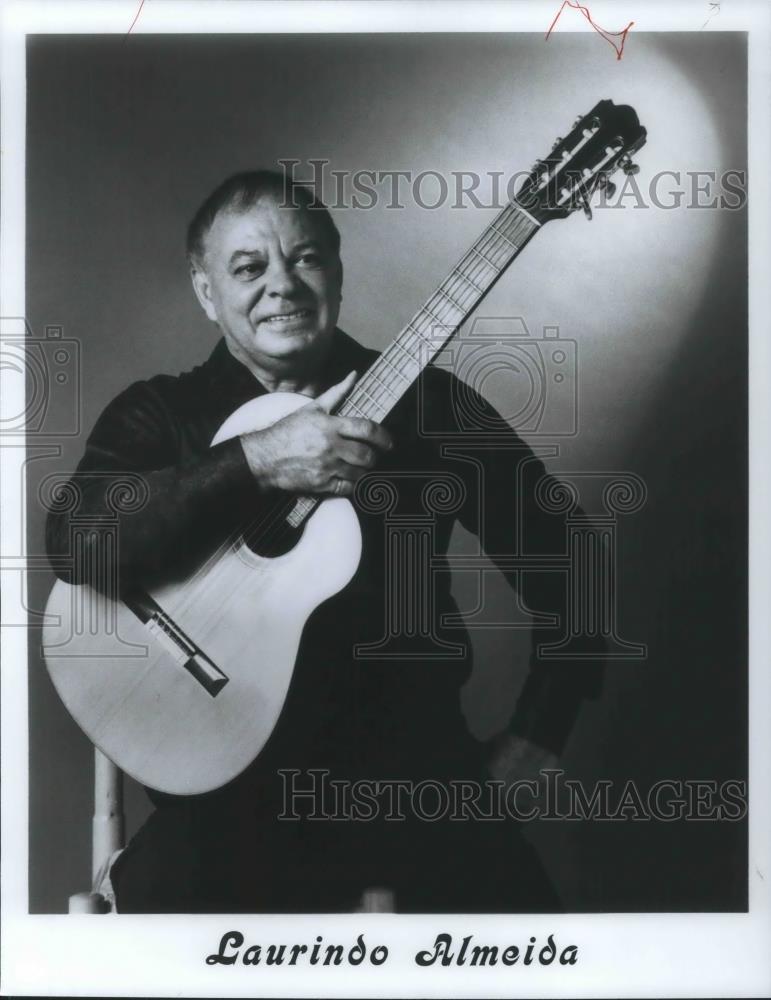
{"points": [[385, 387], [503, 236], [397, 371], [450, 299], [404, 350], [486, 259], [382, 390], [301, 509], [417, 333], [441, 322], [361, 387], [474, 285], [523, 211]]}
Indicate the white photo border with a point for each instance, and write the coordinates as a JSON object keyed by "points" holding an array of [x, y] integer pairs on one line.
{"points": [[670, 954]]}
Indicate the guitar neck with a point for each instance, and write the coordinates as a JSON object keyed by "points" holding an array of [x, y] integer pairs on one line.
{"points": [[383, 385]]}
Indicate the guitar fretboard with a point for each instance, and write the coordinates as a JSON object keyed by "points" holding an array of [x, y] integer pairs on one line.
{"points": [[383, 385]]}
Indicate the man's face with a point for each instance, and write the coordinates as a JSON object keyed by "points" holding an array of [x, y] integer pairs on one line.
{"points": [[272, 282]]}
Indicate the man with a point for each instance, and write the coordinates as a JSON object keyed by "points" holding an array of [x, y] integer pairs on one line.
{"points": [[265, 266]]}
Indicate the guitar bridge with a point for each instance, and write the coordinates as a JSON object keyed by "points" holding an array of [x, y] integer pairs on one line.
{"points": [[166, 631]]}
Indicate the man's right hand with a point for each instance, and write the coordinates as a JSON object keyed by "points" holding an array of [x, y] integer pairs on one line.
{"points": [[311, 451]]}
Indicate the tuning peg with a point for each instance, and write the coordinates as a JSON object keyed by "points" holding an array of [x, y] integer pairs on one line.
{"points": [[606, 185], [557, 141], [627, 166], [577, 121]]}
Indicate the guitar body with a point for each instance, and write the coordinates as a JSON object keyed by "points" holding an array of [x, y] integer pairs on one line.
{"points": [[127, 685]]}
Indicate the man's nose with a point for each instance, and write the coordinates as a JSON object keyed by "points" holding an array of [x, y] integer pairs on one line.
{"points": [[280, 279]]}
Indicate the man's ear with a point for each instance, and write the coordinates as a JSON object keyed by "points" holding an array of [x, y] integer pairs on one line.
{"points": [[202, 289]]}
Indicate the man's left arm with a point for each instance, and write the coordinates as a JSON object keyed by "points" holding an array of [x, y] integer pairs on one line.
{"points": [[508, 515]]}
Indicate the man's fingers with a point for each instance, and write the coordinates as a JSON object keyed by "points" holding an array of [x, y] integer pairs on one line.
{"points": [[343, 482], [340, 487], [334, 396], [357, 453], [361, 429], [351, 473]]}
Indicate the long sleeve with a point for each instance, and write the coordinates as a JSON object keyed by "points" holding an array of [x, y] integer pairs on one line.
{"points": [[171, 497]]}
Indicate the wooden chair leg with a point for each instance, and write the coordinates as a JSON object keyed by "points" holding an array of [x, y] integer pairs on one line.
{"points": [[377, 900], [88, 902], [107, 834], [108, 825], [107, 840]]}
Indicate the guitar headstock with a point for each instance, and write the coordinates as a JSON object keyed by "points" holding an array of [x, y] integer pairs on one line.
{"points": [[598, 145]]}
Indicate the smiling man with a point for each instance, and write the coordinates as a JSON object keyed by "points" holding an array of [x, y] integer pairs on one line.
{"points": [[269, 275], [271, 278], [265, 265]]}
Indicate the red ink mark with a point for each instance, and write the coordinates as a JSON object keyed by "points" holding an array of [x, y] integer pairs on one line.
{"points": [[136, 17], [619, 49]]}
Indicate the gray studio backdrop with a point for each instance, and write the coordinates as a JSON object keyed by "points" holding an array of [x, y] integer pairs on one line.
{"points": [[125, 138]]}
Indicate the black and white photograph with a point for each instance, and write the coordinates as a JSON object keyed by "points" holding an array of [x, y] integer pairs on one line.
{"points": [[384, 441]]}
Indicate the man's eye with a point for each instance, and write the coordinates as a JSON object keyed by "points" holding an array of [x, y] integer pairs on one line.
{"points": [[310, 259], [249, 270]]}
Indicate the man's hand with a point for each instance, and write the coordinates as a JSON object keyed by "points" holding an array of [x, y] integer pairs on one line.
{"points": [[311, 451]]}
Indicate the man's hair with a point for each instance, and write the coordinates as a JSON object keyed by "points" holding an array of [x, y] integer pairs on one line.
{"points": [[240, 192]]}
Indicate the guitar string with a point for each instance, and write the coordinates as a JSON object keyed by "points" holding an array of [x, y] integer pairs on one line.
{"points": [[390, 375], [452, 286], [487, 244], [451, 289], [394, 372], [499, 230], [492, 257], [461, 290]]}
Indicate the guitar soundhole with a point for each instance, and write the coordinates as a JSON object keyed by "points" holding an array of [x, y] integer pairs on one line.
{"points": [[274, 538]]}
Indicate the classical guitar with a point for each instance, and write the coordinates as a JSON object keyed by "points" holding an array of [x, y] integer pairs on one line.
{"points": [[181, 685]]}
